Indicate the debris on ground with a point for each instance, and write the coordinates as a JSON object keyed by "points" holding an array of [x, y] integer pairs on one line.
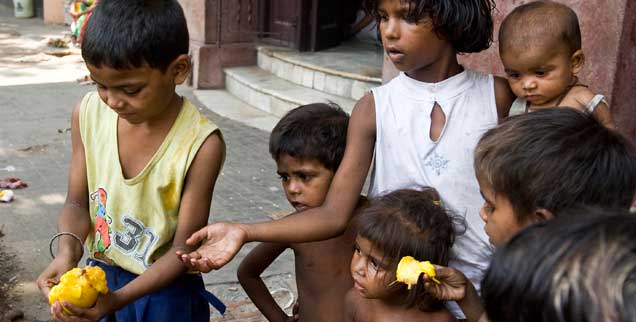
{"points": [[6, 196], [57, 43], [12, 183]]}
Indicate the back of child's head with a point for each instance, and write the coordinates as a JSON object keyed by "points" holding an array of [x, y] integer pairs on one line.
{"points": [[544, 24], [126, 34], [466, 24], [580, 267], [556, 158], [312, 132], [409, 223]]}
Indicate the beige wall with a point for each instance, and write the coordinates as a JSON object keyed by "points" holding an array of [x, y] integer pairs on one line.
{"points": [[54, 11]]}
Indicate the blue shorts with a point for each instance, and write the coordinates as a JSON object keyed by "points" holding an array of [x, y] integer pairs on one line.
{"points": [[186, 299]]}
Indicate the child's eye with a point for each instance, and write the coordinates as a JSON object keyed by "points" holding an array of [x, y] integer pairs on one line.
{"points": [[374, 264], [513, 75], [540, 73], [488, 208], [381, 16], [283, 178], [132, 91]]}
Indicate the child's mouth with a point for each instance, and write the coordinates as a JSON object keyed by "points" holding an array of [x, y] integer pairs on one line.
{"points": [[395, 55]]}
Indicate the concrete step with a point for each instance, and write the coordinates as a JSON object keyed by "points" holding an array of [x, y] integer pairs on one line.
{"points": [[227, 105], [275, 95], [349, 70]]}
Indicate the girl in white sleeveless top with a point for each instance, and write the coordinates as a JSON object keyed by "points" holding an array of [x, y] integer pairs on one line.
{"points": [[423, 127]]}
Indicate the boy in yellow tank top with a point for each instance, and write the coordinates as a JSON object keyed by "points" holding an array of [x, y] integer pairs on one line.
{"points": [[143, 168]]}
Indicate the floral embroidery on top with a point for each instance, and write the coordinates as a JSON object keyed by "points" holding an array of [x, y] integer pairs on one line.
{"points": [[437, 163]]}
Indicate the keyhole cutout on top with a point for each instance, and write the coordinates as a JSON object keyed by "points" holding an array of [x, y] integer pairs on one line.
{"points": [[438, 120]]}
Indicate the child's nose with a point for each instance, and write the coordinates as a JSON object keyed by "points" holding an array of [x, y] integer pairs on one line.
{"points": [[114, 101], [483, 215], [392, 29], [294, 187], [529, 83]]}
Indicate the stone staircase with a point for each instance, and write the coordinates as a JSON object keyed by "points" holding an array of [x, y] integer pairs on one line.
{"points": [[284, 79]]}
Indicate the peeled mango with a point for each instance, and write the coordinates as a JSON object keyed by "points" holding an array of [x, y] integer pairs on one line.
{"points": [[409, 270], [80, 287]]}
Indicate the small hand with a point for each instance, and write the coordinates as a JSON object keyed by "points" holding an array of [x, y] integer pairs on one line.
{"points": [[220, 242], [452, 286], [103, 306], [51, 275]]}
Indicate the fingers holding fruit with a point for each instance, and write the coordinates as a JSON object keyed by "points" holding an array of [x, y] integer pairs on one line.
{"points": [[77, 291], [52, 274]]}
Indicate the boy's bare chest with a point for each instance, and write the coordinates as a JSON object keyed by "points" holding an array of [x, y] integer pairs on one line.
{"points": [[136, 149]]}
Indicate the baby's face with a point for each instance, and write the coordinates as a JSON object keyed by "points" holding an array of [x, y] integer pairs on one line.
{"points": [[305, 181], [541, 74]]}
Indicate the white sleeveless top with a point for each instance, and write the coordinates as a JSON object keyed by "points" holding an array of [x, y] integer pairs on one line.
{"points": [[406, 157]]}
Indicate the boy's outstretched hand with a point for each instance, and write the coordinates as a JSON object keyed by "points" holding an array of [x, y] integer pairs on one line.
{"points": [[219, 243]]}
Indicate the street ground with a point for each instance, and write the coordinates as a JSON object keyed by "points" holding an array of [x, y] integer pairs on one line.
{"points": [[38, 88]]}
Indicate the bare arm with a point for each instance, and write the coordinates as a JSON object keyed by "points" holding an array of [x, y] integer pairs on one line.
{"points": [[249, 275], [503, 97], [74, 216], [223, 240], [193, 214]]}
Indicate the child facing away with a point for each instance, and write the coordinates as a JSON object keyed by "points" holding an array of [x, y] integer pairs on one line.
{"points": [[307, 145], [579, 267], [401, 223], [143, 168], [418, 130], [540, 47], [532, 168]]}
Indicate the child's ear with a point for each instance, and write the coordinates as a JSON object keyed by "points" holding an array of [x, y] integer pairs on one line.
{"points": [[540, 215], [577, 60], [180, 68]]}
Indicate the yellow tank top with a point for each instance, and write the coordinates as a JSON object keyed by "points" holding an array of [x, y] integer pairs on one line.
{"points": [[134, 220]]}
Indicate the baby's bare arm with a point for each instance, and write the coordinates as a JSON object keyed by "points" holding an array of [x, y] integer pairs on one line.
{"points": [[249, 275], [580, 96]]}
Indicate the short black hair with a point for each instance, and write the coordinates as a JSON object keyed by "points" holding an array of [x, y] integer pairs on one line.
{"points": [[545, 22], [409, 222], [555, 158], [315, 131], [126, 34], [579, 267], [467, 24]]}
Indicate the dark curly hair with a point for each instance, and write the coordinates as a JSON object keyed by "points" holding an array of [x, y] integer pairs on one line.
{"points": [[467, 24], [409, 223], [315, 131]]}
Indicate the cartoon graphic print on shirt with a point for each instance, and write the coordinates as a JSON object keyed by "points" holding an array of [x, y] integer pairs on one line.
{"points": [[102, 222]]}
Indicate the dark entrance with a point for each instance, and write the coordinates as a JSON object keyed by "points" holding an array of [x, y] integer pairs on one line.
{"points": [[306, 25]]}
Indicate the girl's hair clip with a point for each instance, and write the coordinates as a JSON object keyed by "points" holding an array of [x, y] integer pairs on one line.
{"points": [[437, 203]]}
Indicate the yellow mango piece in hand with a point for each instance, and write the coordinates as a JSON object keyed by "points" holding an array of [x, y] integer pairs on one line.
{"points": [[80, 287], [409, 270]]}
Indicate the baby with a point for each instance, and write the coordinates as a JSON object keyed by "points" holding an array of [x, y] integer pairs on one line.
{"points": [[540, 48]]}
